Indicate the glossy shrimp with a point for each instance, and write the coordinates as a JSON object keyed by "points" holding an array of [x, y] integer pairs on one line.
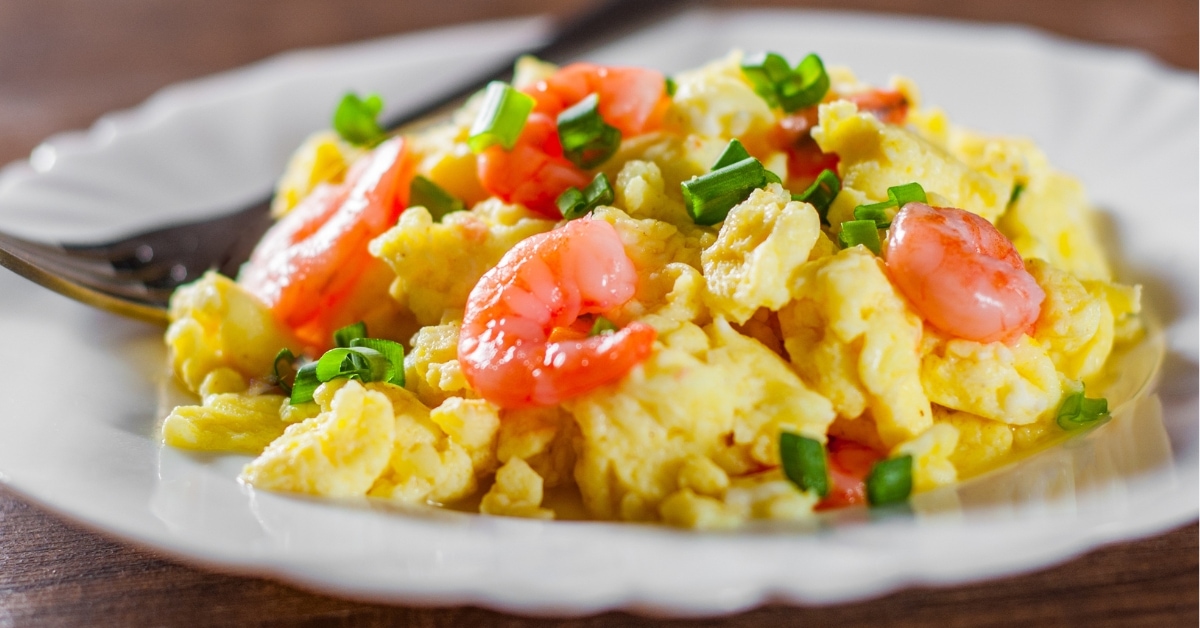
{"points": [[961, 274], [510, 349], [312, 265], [535, 171], [632, 99]]}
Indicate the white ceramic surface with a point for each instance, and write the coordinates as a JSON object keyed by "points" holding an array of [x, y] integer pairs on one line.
{"points": [[82, 391]]}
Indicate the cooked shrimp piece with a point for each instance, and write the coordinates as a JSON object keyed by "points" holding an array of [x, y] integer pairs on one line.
{"points": [[887, 105], [508, 348], [310, 265], [632, 99], [849, 464], [534, 172], [961, 274]]}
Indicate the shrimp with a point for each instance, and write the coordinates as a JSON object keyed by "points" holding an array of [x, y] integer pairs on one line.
{"points": [[535, 172], [961, 274], [310, 266], [632, 99], [849, 464], [887, 106], [508, 347]]}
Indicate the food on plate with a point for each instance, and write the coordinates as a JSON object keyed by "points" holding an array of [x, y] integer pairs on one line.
{"points": [[753, 290]]}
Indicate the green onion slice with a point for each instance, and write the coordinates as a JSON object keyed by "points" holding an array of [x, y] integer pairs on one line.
{"points": [[392, 351], [709, 197], [733, 153], [283, 369], [361, 363], [901, 195], [670, 86], [821, 193], [355, 357], [571, 204], [782, 86], [354, 119], [864, 232], [804, 462], [305, 384], [898, 197], [431, 196], [587, 140], [765, 72], [574, 203], [805, 87], [876, 212], [602, 326], [1077, 411], [501, 118], [1016, 193], [890, 481], [344, 336]]}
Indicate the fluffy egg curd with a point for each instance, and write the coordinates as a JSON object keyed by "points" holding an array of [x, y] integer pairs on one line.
{"points": [[753, 290]]}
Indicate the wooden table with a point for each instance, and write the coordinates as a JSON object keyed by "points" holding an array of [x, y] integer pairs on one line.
{"points": [[65, 62]]}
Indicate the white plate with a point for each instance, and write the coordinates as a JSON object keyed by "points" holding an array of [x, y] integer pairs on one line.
{"points": [[82, 391]]}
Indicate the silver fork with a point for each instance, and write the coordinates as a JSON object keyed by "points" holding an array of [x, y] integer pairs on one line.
{"points": [[135, 276]]}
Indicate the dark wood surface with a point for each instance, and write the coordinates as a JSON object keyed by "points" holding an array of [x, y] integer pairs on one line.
{"points": [[65, 62]]}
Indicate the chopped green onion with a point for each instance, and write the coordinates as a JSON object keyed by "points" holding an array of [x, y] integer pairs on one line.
{"points": [[782, 86], [587, 140], [765, 71], [876, 212], [805, 87], [571, 203], [709, 197], [733, 153], [1077, 411], [392, 351], [355, 357], [890, 481], [670, 86], [354, 119], [359, 363], [821, 193], [898, 197], [803, 462], [305, 384], [574, 203], [344, 336], [1016, 193], [864, 232], [901, 195], [283, 369], [501, 118], [432, 197], [602, 326]]}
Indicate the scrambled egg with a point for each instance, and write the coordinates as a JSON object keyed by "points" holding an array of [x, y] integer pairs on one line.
{"points": [[337, 453], [764, 323]]}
